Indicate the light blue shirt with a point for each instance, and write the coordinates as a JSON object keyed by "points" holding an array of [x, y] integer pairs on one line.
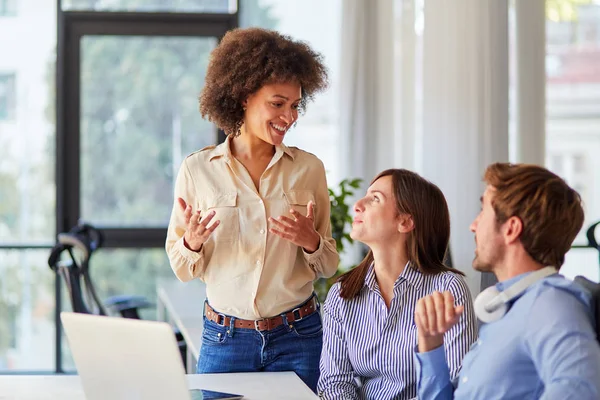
{"points": [[545, 347]]}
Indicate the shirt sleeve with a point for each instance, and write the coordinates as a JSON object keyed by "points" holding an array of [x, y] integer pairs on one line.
{"points": [[186, 264], [324, 261], [438, 370], [337, 374], [433, 375], [458, 340], [562, 343]]}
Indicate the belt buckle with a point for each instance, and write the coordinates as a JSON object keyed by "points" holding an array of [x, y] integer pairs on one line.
{"points": [[256, 321], [220, 319], [297, 310]]}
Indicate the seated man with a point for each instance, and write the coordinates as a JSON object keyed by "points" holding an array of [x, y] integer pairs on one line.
{"points": [[538, 335]]}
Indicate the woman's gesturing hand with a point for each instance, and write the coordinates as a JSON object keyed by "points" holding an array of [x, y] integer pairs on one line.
{"points": [[197, 230], [300, 230]]}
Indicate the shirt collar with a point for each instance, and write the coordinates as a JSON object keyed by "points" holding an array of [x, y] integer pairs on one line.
{"points": [[410, 275], [286, 150], [509, 282], [370, 281], [224, 150]]}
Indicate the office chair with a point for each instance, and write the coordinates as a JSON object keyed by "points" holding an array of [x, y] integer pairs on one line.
{"points": [[84, 240], [591, 237], [80, 243], [594, 289]]}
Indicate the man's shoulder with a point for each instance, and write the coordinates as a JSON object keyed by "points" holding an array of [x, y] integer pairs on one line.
{"points": [[558, 298], [557, 289]]}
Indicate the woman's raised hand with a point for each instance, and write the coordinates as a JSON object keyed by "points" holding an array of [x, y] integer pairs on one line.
{"points": [[300, 230], [197, 230]]}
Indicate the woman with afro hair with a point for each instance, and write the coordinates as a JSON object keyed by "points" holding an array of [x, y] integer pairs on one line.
{"points": [[251, 215]]}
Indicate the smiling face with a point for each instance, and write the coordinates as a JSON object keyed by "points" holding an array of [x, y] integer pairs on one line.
{"points": [[376, 218], [271, 111]]}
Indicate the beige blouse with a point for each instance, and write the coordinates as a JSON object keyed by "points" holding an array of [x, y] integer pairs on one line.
{"points": [[249, 272]]}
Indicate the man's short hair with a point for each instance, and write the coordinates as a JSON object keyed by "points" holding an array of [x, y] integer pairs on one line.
{"points": [[550, 210]]}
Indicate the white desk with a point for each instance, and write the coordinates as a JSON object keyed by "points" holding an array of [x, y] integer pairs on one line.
{"points": [[254, 386], [181, 304]]}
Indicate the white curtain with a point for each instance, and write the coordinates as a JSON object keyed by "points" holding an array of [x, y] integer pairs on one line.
{"points": [[465, 108], [465, 99], [366, 90], [531, 81], [366, 95]]}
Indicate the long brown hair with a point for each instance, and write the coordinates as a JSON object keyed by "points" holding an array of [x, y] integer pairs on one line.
{"points": [[428, 241], [549, 209]]}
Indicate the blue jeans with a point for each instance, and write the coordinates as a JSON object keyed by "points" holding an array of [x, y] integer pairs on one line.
{"points": [[294, 348]]}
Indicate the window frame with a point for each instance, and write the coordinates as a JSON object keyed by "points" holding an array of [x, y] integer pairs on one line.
{"points": [[72, 26]]}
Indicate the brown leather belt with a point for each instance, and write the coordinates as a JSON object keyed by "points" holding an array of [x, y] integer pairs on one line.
{"points": [[265, 324]]}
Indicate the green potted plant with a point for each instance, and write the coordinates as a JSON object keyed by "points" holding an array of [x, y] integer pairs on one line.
{"points": [[341, 219]]}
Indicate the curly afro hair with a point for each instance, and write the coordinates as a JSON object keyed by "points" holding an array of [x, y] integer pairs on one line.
{"points": [[247, 59]]}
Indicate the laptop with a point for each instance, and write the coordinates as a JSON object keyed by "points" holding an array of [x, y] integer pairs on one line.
{"points": [[129, 359]]}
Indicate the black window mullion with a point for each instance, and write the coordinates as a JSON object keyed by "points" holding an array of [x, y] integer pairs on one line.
{"points": [[150, 24], [70, 152], [134, 237]]}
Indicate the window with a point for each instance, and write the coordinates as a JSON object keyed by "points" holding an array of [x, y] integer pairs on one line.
{"points": [[123, 139], [27, 310], [122, 134], [573, 113], [7, 97], [27, 187], [155, 114], [8, 8]]}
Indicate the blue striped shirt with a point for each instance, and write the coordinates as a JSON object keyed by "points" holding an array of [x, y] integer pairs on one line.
{"points": [[368, 350]]}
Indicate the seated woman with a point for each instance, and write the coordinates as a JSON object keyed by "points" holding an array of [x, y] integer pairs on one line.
{"points": [[368, 318]]}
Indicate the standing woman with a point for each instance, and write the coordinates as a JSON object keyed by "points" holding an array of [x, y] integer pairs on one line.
{"points": [[370, 332], [251, 215]]}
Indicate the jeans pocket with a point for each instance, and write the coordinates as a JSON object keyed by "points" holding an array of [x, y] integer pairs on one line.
{"points": [[309, 327], [213, 334]]}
